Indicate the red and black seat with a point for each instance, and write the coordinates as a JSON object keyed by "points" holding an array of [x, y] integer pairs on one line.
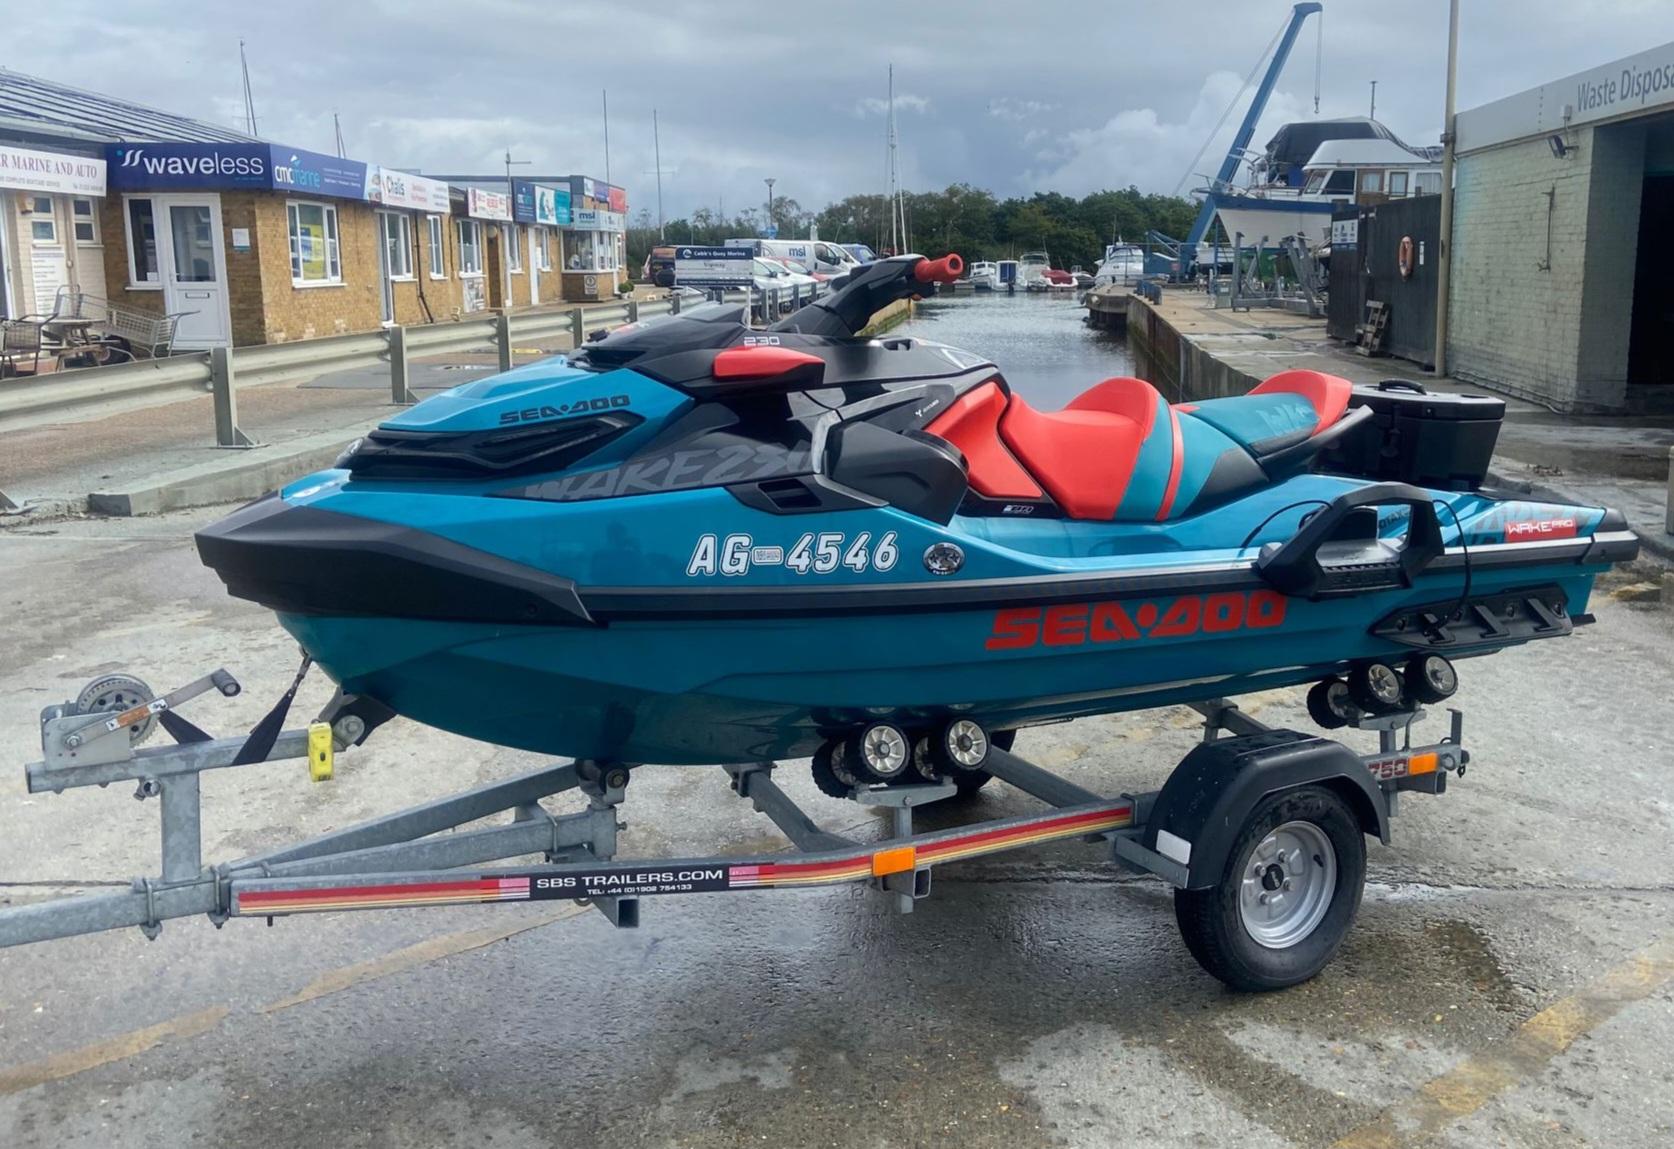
{"points": [[1120, 452]]}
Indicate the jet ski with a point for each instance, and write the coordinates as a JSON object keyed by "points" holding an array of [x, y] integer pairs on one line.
{"points": [[696, 541]]}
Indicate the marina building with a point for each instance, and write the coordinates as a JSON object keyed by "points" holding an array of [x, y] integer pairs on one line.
{"points": [[1563, 233], [251, 241]]}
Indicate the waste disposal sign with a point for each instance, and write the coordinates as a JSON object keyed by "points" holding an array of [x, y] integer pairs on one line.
{"points": [[713, 266]]}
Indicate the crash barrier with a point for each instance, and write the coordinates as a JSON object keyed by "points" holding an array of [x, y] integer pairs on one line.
{"points": [[70, 396]]}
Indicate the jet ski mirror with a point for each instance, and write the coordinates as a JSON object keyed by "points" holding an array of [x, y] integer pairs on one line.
{"points": [[1322, 560]]}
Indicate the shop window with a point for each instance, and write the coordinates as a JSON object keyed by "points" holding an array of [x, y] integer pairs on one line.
{"points": [[590, 251], [438, 258], [512, 236], [1427, 183], [314, 250], [543, 250], [470, 248], [86, 220], [141, 222], [397, 235], [1397, 183], [43, 224]]}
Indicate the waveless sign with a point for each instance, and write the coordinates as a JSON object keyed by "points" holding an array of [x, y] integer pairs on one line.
{"points": [[232, 166]]}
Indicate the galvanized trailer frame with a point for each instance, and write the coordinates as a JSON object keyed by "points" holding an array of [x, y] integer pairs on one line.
{"points": [[421, 856]]}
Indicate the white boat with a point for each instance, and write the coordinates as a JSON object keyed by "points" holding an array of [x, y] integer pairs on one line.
{"points": [[1123, 263], [1031, 267], [1285, 198], [985, 276]]}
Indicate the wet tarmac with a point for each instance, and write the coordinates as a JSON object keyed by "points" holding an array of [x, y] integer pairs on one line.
{"points": [[1508, 981]]}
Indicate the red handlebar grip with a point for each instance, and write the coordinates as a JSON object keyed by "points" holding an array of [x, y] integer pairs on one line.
{"points": [[944, 270]]}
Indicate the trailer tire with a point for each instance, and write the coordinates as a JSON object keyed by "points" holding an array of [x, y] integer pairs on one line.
{"points": [[1213, 921]]}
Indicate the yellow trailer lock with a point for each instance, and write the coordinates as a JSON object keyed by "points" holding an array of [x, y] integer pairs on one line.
{"points": [[319, 751]]}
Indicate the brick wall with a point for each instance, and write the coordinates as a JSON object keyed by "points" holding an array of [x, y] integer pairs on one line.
{"points": [[1547, 319]]}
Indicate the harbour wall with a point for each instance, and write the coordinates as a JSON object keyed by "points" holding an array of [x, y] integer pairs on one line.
{"points": [[1176, 365]]}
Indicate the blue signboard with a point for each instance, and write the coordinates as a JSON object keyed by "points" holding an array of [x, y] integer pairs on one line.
{"points": [[296, 170], [232, 166], [523, 202], [560, 206], [139, 167]]}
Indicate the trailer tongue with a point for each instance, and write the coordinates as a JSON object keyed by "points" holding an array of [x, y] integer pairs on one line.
{"points": [[1261, 831]]}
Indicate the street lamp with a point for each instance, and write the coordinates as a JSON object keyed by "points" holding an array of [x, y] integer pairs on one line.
{"points": [[769, 181]]}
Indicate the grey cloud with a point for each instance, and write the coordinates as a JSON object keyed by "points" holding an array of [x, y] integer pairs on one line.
{"points": [[1069, 95]]}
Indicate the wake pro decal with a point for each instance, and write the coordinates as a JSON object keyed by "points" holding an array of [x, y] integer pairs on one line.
{"points": [[1074, 624], [1528, 523], [562, 410], [820, 554]]}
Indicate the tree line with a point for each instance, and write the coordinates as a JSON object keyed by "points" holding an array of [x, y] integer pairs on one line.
{"points": [[962, 218]]}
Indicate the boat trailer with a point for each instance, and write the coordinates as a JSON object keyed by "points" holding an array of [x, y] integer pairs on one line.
{"points": [[1231, 830]]}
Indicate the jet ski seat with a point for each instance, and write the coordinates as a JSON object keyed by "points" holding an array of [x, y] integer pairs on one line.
{"points": [[1120, 452]]}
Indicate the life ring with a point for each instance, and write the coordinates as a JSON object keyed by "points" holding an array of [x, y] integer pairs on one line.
{"points": [[1404, 257]]}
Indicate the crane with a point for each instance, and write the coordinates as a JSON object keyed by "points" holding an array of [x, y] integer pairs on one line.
{"points": [[1184, 254]]}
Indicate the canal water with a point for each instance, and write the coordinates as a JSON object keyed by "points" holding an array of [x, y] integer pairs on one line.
{"points": [[1042, 344]]}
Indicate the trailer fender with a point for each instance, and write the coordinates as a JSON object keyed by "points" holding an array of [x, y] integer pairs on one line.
{"points": [[1206, 801]]}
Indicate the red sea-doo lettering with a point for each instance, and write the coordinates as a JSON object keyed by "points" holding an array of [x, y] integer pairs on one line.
{"points": [[774, 542]]}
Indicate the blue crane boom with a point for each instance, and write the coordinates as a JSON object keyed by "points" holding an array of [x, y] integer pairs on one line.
{"points": [[1229, 166]]}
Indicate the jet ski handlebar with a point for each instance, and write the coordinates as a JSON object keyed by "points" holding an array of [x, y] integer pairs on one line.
{"points": [[862, 293]]}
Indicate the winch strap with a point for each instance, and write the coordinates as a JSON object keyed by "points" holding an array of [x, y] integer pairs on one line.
{"points": [[182, 731], [259, 743]]}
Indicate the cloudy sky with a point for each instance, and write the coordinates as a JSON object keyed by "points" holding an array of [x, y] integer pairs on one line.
{"points": [[1055, 94]]}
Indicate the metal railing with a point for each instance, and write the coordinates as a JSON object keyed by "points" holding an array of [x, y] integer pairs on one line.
{"points": [[71, 396]]}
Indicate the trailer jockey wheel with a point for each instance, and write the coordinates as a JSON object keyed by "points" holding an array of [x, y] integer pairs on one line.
{"points": [[1431, 678], [1287, 897], [1377, 687], [879, 752], [1329, 703]]}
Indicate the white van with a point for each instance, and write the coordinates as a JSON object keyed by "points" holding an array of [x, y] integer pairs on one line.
{"points": [[812, 255]]}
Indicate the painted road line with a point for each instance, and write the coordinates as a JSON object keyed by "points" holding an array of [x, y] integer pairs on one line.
{"points": [[1518, 1057], [420, 953], [68, 1064], [126, 1045]]}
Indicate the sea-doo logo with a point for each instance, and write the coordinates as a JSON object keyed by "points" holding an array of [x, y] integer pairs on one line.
{"points": [[1074, 624], [561, 410]]}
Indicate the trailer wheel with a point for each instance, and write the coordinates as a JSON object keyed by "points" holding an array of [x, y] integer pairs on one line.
{"points": [[880, 752], [1289, 894], [828, 771]]}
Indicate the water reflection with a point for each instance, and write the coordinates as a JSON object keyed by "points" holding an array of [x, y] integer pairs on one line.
{"points": [[1043, 345]]}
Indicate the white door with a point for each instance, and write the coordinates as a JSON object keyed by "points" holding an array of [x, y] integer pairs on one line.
{"points": [[536, 234], [194, 266]]}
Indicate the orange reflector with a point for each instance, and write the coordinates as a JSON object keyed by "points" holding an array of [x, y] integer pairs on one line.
{"points": [[896, 861], [1422, 763]]}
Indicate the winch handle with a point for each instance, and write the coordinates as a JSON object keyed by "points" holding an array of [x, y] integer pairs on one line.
{"points": [[1294, 568]]}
